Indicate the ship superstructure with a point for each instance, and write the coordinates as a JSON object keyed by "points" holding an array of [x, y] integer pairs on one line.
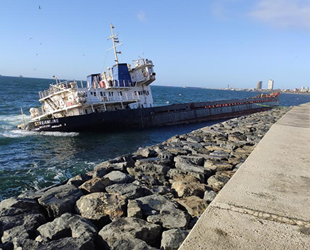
{"points": [[122, 86]]}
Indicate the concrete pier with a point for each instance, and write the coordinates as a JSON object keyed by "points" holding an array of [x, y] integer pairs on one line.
{"points": [[266, 204]]}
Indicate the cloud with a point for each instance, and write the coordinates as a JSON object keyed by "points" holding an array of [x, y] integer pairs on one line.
{"points": [[141, 16], [283, 13]]}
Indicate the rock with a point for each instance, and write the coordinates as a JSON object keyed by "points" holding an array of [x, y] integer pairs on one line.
{"points": [[128, 242], [217, 181], [209, 196], [66, 244], [20, 226], [146, 152], [101, 206], [78, 180], [193, 159], [157, 209], [19, 218], [15, 206], [118, 177], [95, 185], [173, 173], [113, 165], [194, 205], [134, 210], [129, 227], [68, 225], [172, 239], [128, 190], [166, 156], [188, 167], [184, 188], [60, 200], [236, 137]]}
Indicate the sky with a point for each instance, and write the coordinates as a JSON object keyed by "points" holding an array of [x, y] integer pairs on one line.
{"points": [[197, 43]]}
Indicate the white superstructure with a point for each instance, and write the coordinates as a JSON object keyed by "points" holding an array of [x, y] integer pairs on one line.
{"points": [[120, 87]]}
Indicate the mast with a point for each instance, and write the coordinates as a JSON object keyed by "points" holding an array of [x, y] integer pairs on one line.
{"points": [[115, 43]]}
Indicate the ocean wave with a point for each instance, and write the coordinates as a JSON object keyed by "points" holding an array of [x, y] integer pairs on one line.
{"points": [[23, 133], [13, 119]]}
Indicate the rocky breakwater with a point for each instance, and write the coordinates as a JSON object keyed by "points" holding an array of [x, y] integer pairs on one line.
{"points": [[146, 200]]}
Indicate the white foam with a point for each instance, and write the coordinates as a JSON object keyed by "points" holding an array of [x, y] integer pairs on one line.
{"points": [[23, 133], [14, 119]]}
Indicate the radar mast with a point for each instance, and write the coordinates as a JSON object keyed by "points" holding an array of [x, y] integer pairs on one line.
{"points": [[115, 43]]}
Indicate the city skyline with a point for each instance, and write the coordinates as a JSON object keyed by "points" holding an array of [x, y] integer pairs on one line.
{"points": [[207, 44]]}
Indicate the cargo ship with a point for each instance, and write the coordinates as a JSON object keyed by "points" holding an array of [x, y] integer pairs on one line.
{"points": [[121, 99]]}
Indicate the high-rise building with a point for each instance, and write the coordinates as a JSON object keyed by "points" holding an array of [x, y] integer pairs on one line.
{"points": [[270, 84], [259, 85]]}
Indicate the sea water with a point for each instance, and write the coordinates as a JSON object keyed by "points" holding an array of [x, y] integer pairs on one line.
{"points": [[30, 160]]}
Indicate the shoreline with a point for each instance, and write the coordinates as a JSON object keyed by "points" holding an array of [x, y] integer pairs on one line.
{"points": [[148, 199]]}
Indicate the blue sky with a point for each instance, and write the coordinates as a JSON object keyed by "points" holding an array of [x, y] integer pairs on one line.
{"points": [[210, 43]]}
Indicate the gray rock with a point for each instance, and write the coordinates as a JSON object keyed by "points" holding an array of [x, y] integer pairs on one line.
{"points": [[134, 209], [68, 225], [60, 200], [217, 181], [172, 239], [186, 188], [146, 152], [78, 180], [128, 242], [108, 166], [118, 177], [101, 206], [20, 226], [96, 184], [129, 227], [128, 190], [14, 206], [19, 218], [193, 159], [209, 196], [194, 205], [157, 209], [67, 244]]}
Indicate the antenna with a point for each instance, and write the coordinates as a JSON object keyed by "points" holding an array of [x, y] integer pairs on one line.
{"points": [[115, 41]]}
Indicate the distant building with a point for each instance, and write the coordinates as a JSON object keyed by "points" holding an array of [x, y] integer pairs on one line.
{"points": [[259, 85], [270, 84]]}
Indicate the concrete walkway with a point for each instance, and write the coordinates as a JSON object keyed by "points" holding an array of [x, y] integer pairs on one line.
{"points": [[266, 204]]}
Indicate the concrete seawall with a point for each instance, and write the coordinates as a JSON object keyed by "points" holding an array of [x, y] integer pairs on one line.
{"points": [[265, 205]]}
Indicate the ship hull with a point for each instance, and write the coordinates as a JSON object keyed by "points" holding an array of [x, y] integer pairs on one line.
{"points": [[155, 117]]}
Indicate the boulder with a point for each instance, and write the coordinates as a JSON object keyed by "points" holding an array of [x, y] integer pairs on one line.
{"points": [[173, 238], [78, 180], [93, 185], [126, 241], [128, 190], [194, 205], [60, 200], [20, 226], [193, 159], [68, 225], [66, 243], [118, 177], [113, 165], [134, 209], [209, 196], [185, 188], [217, 181], [146, 152], [15, 206], [19, 218], [129, 227], [157, 209], [101, 206]]}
